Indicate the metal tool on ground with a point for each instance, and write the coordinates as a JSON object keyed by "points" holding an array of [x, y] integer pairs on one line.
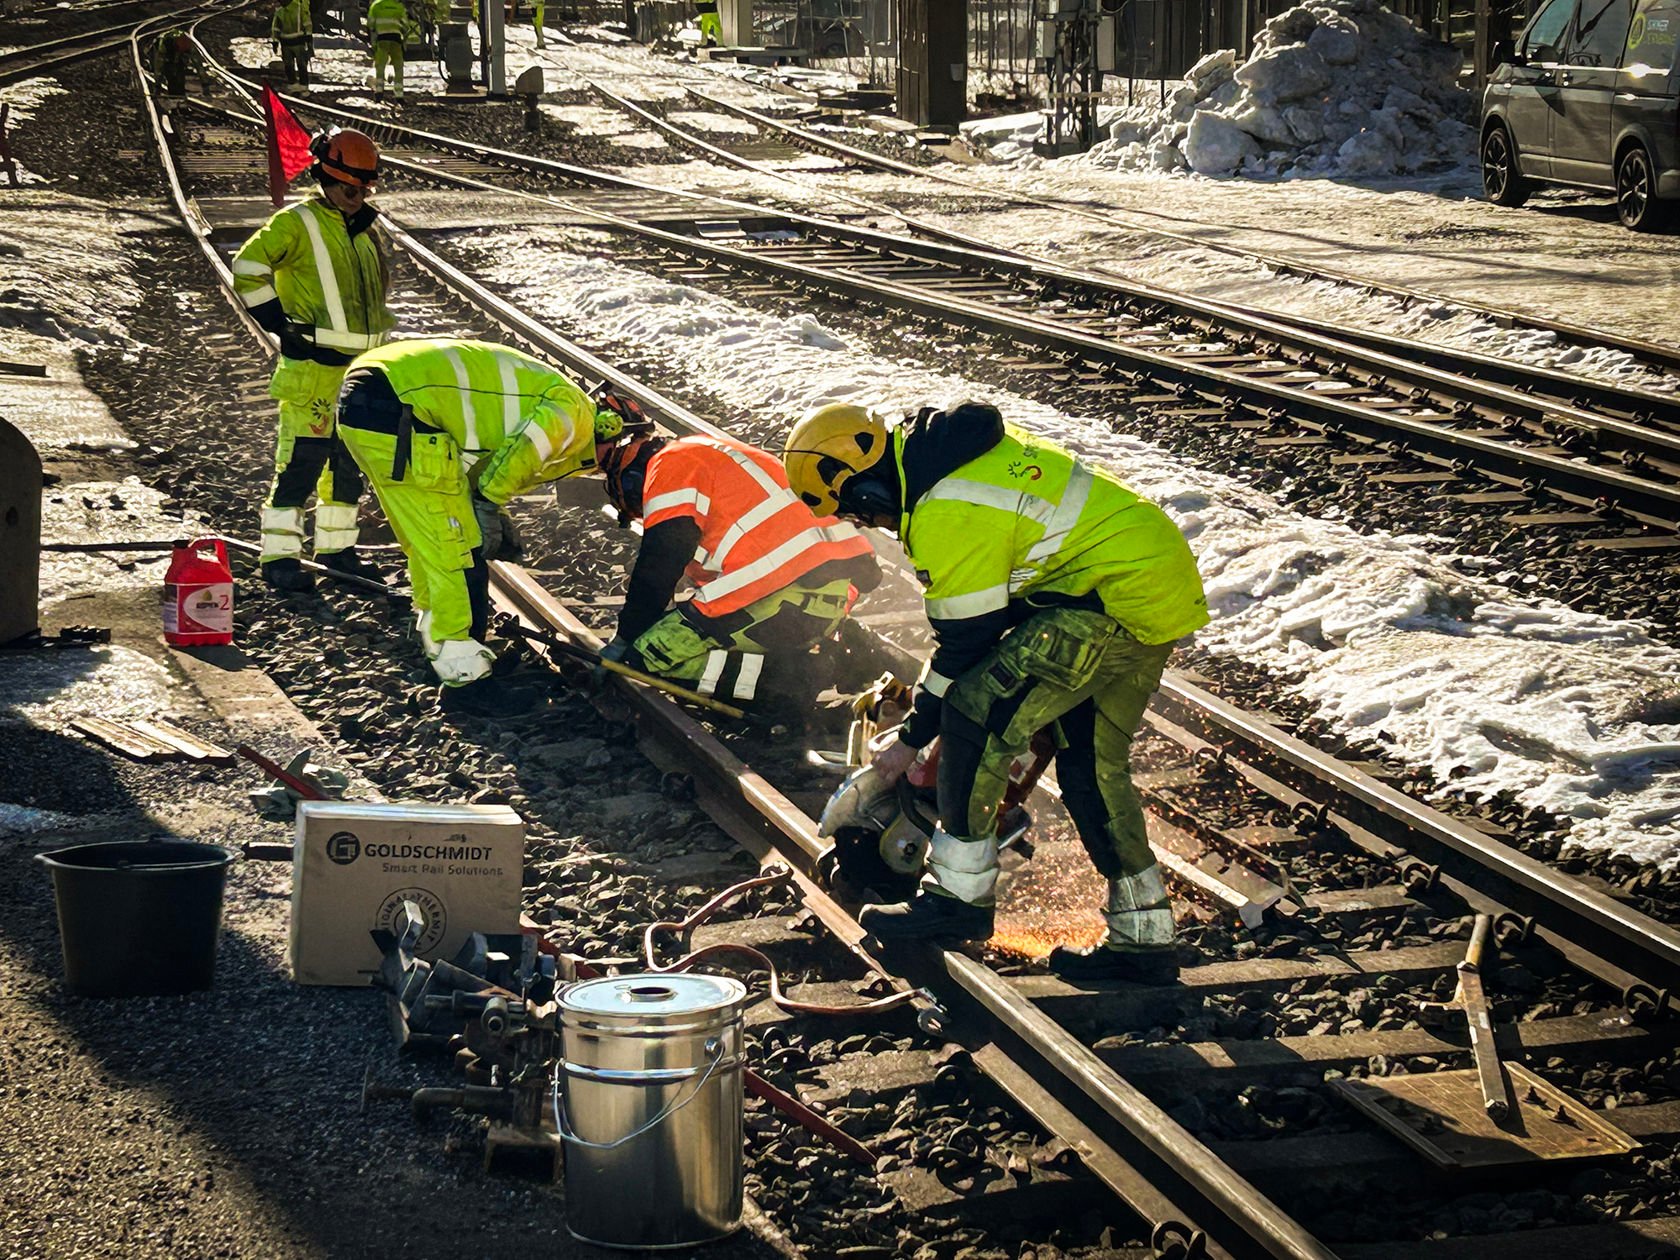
{"points": [[1470, 1001], [300, 779], [512, 628]]}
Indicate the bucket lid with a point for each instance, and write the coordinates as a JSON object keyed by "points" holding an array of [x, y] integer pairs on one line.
{"points": [[643, 995]]}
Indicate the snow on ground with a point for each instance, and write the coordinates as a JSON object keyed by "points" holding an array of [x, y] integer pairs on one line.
{"points": [[1335, 88], [24, 97], [1402, 649]]}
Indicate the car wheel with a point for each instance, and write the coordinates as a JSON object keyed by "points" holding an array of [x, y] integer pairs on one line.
{"points": [[1501, 182], [1636, 192]]}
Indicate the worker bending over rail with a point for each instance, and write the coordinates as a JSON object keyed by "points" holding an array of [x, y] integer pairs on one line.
{"points": [[447, 432], [315, 275], [1055, 594], [771, 578]]}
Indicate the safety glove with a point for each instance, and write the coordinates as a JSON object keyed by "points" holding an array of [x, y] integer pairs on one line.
{"points": [[618, 651], [490, 518]]}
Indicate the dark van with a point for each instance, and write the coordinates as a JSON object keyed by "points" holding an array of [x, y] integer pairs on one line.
{"points": [[1589, 96]]}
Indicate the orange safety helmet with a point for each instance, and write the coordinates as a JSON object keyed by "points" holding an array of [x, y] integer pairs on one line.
{"points": [[347, 155]]}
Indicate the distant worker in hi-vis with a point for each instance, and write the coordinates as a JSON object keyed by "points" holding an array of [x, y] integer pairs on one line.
{"points": [[388, 28], [706, 18], [537, 12], [316, 276], [1054, 593], [292, 37]]}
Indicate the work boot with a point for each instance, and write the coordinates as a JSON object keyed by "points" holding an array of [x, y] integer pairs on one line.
{"points": [[1153, 964], [931, 917], [287, 575], [487, 698], [350, 563]]}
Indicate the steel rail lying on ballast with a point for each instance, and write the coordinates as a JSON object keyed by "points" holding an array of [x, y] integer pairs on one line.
{"points": [[1652, 354], [1589, 484]]}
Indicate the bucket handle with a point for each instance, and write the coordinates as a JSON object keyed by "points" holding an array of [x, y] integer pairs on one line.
{"points": [[713, 1047]]}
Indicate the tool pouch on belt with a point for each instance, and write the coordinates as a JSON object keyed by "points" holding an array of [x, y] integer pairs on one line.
{"points": [[1062, 647], [429, 461]]}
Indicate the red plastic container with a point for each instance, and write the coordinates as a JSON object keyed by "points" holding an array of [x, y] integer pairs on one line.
{"points": [[198, 595]]}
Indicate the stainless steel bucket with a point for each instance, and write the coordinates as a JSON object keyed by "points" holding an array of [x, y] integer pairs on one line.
{"points": [[651, 1069]]}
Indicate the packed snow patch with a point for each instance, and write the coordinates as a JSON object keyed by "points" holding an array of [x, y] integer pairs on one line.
{"points": [[1334, 88]]}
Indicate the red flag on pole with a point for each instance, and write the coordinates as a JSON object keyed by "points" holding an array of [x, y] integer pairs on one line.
{"points": [[288, 146]]}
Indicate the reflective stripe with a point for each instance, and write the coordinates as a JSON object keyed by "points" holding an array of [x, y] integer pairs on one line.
{"points": [[933, 681], [715, 661], [974, 604], [334, 339], [764, 565], [746, 683], [539, 440], [324, 271], [676, 498], [251, 267], [985, 494], [1066, 515], [335, 527], [775, 500], [510, 398], [256, 297], [965, 868], [463, 382], [460, 661], [282, 533]]}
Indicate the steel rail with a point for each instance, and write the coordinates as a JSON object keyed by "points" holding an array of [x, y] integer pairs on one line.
{"points": [[1653, 502], [1482, 377], [1602, 925], [1654, 352]]}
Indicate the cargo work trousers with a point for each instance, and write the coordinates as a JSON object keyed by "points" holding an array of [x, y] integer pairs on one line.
{"points": [[309, 460]]}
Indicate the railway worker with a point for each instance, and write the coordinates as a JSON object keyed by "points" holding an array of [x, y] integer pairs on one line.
{"points": [[537, 12], [388, 28], [710, 24], [447, 432], [1055, 594], [316, 276], [771, 577], [291, 34], [171, 58]]}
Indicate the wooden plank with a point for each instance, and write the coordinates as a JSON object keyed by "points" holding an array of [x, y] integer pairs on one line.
{"points": [[184, 741], [130, 743]]}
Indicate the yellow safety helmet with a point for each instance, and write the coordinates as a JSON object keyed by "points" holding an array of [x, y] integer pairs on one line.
{"points": [[828, 447]]}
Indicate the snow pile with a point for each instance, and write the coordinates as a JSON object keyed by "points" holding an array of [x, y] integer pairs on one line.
{"points": [[1332, 88]]}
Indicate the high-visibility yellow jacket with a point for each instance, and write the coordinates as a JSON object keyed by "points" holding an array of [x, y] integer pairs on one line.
{"points": [[327, 273], [1000, 524], [291, 22], [516, 420], [387, 19]]}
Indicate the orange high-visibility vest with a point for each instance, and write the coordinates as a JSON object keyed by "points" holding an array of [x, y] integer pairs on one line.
{"points": [[756, 535]]}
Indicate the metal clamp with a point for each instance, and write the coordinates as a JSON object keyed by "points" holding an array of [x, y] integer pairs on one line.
{"points": [[713, 1047]]}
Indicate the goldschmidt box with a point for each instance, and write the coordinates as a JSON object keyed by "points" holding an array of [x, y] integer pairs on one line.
{"points": [[354, 865]]}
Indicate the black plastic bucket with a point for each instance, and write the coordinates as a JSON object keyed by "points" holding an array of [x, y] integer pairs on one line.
{"points": [[138, 918]]}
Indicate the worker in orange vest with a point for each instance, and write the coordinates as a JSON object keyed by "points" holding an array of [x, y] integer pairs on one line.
{"points": [[769, 575]]}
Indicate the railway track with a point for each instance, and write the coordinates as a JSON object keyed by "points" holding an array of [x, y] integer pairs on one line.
{"points": [[1496, 433], [1653, 356], [1368, 896], [49, 55]]}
